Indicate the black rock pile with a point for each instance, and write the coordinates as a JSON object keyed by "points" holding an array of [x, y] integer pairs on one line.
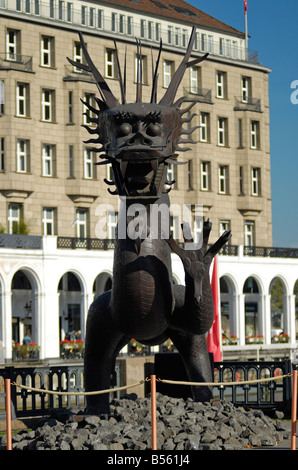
{"points": [[181, 425]]}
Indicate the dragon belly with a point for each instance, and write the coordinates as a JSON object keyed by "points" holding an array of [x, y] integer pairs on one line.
{"points": [[142, 293]]}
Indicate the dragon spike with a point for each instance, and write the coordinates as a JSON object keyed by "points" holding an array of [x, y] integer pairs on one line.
{"points": [[139, 72], [188, 119], [92, 141], [186, 110], [189, 131], [122, 88], [155, 75], [106, 93], [90, 129], [170, 94], [90, 107]]}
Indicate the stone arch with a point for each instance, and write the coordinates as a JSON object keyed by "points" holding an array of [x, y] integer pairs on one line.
{"points": [[253, 310], [102, 283], [71, 289], [229, 321], [278, 309], [25, 289]]}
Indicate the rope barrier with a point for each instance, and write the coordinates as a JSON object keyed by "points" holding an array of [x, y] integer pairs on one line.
{"points": [[153, 381], [176, 382], [98, 392]]}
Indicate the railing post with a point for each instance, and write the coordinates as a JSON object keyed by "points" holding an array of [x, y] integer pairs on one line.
{"points": [[8, 414], [153, 412], [294, 408]]}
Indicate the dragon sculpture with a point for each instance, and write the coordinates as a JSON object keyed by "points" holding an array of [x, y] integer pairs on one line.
{"points": [[139, 140]]}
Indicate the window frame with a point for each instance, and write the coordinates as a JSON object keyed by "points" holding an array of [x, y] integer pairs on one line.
{"points": [[223, 179], [49, 222], [23, 156], [205, 168], [256, 181], [48, 160], [22, 100]]}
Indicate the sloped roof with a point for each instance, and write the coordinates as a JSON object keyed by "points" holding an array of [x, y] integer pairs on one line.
{"points": [[178, 10]]}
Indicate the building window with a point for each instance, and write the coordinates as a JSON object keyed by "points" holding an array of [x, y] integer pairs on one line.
{"points": [[241, 180], [14, 217], [170, 34], [84, 14], [69, 8], [81, 223], [195, 79], [129, 25], [70, 107], [89, 98], [143, 68], [92, 17], [2, 154], [177, 36], [48, 105], [245, 89], [71, 162], [114, 22], [221, 85], [150, 29], [255, 135], [2, 97], [222, 132], [204, 127], [89, 167], [168, 67], [223, 226], [52, 8], [48, 159], [240, 138], [189, 174], [210, 44], [13, 44], [47, 51], [184, 37], [249, 233], [157, 31], [143, 29], [61, 8], [172, 175], [110, 63], [100, 19], [22, 100], [112, 218], [48, 220], [77, 56], [256, 181], [205, 176], [174, 226], [110, 173], [23, 156], [223, 179]]}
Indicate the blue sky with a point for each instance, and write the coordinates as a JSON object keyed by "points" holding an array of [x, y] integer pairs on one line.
{"points": [[273, 30]]}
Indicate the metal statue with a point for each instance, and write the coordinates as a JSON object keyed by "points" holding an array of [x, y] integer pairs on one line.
{"points": [[139, 140]]}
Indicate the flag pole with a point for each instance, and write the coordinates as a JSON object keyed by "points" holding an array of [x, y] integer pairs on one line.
{"points": [[246, 33]]}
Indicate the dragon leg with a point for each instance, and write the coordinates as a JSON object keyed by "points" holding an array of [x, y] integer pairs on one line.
{"points": [[102, 343], [194, 353]]}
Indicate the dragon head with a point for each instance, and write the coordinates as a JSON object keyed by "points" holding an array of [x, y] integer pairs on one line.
{"points": [[139, 139]]}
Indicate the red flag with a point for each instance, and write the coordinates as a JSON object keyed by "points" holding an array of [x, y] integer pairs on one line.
{"points": [[245, 6], [213, 335]]}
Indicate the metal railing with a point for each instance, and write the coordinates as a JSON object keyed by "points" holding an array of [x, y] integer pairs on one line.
{"points": [[29, 242], [10, 61], [247, 104], [270, 252], [275, 394]]}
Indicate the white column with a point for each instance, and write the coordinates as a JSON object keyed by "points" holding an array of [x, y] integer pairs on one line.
{"points": [[241, 316], [291, 301], [267, 319], [50, 325], [7, 323]]}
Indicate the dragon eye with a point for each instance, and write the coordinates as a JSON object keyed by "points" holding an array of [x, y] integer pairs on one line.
{"points": [[153, 129], [125, 129]]}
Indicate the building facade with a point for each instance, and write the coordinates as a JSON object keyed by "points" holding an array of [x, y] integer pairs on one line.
{"points": [[52, 194]]}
